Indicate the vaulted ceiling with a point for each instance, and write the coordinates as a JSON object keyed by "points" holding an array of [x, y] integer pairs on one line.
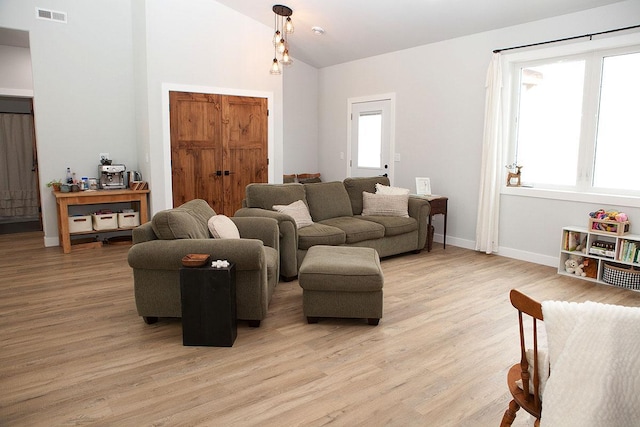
{"points": [[357, 29]]}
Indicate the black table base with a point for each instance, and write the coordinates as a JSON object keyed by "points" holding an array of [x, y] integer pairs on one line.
{"points": [[208, 306]]}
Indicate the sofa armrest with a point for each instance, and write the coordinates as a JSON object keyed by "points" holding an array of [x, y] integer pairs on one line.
{"points": [[247, 254], [143, 233], [265, 213], [264, 229], [288, 238], [419, 209]]}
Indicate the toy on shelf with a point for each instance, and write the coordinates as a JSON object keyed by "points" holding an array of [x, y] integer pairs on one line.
{"points": [[609, 222], [575, 265]]}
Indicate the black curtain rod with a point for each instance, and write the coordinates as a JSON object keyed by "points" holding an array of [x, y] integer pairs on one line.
{"points": [[567, 38]]}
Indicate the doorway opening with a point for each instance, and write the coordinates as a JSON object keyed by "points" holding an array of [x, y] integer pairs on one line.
{"points": [[19, 191]]}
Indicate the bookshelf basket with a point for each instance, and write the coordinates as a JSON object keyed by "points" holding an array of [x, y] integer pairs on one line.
{"points": [[628, 278]]}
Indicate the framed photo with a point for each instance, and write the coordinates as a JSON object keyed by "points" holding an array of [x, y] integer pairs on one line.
{"points": [[423, 186]]}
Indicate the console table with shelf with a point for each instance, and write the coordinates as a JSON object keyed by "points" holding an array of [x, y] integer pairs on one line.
{"points": [[95, 197], [599, 248]]}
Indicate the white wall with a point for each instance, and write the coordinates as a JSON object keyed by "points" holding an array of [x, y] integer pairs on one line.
{"points": [[300, 145], [201, 48], [15, 71], [439, 123], [82, 87], [98, 81]]}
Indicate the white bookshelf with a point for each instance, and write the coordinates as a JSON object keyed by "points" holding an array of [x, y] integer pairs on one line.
{"points": [[599, 248]]}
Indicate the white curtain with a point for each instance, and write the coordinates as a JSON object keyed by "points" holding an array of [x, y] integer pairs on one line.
{"points": [[18, 187], [488, 220]]}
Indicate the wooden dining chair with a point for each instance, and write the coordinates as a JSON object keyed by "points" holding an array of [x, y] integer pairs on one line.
{"points": [[524, 397]]}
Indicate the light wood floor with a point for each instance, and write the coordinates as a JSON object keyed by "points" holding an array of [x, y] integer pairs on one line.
{"points": [[74, 352]]}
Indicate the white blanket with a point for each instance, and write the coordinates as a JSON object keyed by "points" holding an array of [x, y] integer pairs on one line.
{"points": [[594, 352]]}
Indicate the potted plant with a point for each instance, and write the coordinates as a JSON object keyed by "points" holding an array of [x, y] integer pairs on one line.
{"points": [[55, 184]]}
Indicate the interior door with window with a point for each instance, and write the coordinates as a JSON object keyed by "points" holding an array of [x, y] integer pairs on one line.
{"points": [[370, 138]]}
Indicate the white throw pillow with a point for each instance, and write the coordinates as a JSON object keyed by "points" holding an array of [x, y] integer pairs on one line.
{"points": [[298, 210], [385, 204], [221, 227], [385, 189]]}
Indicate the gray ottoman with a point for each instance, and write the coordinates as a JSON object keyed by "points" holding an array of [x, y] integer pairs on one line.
{"points": [[339, 281]]}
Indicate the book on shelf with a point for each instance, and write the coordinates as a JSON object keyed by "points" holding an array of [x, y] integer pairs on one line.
{"points": [[571, 240], [629, 251], [594, 250]]}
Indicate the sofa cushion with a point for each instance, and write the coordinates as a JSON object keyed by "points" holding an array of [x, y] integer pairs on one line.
{"points": [[327, 200], [297, 210], [386, 189], [320, 234], [394, 225], [188, 221], [221, 227], [385, 204], [264, 196], [355, 187], [356, 229]]}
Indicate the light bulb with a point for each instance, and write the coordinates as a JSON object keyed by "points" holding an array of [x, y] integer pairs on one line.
{"points": [[281, 46], [275, 68], [276, 38], [286, 59], [288, 25]]}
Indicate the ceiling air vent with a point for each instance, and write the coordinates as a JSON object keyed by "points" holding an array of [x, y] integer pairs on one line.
{"points": [[51, 15]]}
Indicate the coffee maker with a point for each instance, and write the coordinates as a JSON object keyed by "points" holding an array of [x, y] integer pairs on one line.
{"points": [[112, 177]]}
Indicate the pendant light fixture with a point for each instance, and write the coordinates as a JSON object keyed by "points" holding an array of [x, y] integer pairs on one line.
{"points": [[282, 28]]}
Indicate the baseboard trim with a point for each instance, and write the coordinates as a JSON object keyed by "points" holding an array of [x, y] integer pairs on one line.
{"points": [[51, 241], [503, 251]]}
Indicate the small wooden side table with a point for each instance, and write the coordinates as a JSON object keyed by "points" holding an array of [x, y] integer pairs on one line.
{"points": [[208, 298], [438, 207]]}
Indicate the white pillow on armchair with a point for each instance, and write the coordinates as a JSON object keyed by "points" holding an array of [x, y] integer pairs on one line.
{"points": [[221, 227]]}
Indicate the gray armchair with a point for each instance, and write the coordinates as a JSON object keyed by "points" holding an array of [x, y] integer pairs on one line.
{"points": [[159, 246]]}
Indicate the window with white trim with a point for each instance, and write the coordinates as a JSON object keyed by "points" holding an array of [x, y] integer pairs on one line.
{"points": [[576, 121]]}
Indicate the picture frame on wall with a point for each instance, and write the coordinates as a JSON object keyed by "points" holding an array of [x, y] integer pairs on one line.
{"points": [[423, 186]]}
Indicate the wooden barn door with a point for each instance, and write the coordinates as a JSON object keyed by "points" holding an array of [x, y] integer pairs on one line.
{"points": [[244, 136], [218, 146]]}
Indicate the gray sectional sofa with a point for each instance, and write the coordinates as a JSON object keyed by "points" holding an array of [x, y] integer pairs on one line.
{"points": [[336, 209]]}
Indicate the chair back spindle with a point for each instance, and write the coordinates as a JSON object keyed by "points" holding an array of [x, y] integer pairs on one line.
{"points": [[523, 396]]}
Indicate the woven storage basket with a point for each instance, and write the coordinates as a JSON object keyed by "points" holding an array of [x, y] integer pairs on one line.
{"points": [[628, 278]]}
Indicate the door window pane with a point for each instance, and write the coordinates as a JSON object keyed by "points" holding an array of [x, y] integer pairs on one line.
{"points": [[370, 140], [550, 110], [618, 138]]}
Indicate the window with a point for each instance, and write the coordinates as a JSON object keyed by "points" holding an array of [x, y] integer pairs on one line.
{"points": [[370, 135], [577, 122], [370, 139]]}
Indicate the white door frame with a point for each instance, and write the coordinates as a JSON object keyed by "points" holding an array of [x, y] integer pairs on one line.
{"points": [[392, 127]]}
